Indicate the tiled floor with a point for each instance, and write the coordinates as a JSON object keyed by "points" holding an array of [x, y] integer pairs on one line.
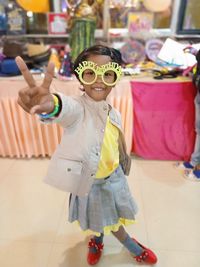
{"points": [[34, 231]]}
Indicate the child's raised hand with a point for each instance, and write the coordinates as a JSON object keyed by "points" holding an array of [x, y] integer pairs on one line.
{"points": [[36, 99]]}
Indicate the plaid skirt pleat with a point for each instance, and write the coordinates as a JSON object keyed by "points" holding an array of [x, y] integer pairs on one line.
{"points": [[108, 200]]}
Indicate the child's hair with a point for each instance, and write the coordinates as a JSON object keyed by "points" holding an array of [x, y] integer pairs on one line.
{"points": [[113, 53]]}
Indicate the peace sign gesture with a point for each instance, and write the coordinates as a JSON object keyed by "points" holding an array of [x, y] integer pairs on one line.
{"points": [[36, 99]]}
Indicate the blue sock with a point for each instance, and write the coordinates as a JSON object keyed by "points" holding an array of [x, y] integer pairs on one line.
{"points": [[132, 246], [98, 240]]}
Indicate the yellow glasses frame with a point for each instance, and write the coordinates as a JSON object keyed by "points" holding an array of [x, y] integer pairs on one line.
{"points": [[99, 70]]}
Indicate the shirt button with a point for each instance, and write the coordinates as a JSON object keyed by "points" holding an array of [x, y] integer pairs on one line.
{"points": [[69, 169], [97, 153], [92, 174], [102, 130]]}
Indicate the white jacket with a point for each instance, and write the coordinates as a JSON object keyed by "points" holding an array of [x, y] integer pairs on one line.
{"points": [[74, 163]]}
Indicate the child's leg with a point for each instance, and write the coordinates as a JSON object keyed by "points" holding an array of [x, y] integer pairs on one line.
{"points": [[141, 254], [128, 242], [97, 240]]}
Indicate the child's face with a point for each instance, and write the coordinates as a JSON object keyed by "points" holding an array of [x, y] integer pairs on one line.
{"points": [[98, 90]]}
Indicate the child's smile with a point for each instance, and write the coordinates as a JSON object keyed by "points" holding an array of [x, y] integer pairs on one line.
{"points": [[98, 90]]}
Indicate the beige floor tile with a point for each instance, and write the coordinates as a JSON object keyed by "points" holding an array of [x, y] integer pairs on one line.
{"points": [[30, 209], [5, 253], [23, 254], [34, 230], [69, 254], [137, 230], [178, 259], [76, 255], [5, 165], [34, 166], [172, 213], [156, 170], [68, 232]]}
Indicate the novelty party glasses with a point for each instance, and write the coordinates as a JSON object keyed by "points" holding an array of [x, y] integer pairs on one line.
{"points": [[88, 72]]}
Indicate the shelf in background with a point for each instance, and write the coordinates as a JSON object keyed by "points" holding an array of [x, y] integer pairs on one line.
{"points": [[98, 34]]}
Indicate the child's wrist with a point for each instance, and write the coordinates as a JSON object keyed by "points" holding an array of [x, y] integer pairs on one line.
{"points": [[55, 112]]}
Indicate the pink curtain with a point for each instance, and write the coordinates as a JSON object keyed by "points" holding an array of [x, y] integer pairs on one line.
{"points": [[164, 118]]}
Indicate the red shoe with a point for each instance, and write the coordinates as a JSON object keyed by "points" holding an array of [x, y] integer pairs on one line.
{"points": [[147, 255], [94, 257]]}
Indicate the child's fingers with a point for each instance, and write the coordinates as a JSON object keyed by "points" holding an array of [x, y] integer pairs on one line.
{"points": [[33, 92], [48, 76], [27, 109], [35, 109], [25, 72], [46, 107], [27, 95], [24, 96]]}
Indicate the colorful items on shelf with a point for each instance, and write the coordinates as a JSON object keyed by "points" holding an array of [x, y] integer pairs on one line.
{"points": [[16, 23], [8, 67], [157, 5], [82, 26], [65, 71], [36, 23], [2, 56], [38, 54], [152, 49], [2, 19], [71, 6], [35, 6], [36, 49], [54, 58], [172, 52], [57, 23], [139, 24], [133, 52], [81, 35], [12, 48]]}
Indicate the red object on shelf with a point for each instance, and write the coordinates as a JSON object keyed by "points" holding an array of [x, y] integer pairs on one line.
{"points": [[57, 23]]}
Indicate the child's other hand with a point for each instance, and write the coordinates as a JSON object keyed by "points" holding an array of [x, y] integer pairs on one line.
{"points": [[36, 99]]}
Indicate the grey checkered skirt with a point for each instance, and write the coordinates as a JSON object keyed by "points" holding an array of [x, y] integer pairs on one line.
{"points": [[108, 201]]}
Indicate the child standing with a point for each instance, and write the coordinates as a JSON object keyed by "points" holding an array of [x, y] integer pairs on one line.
{"points": [[91, 160]]}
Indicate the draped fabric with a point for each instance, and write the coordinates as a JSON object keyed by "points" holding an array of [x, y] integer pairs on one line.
{"points": [[22, 135], [157, 117], [164, 116]]}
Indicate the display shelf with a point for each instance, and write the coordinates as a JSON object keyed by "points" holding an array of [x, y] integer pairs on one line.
{"points": [[36, 36], [124, 33], [98, 34]]}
